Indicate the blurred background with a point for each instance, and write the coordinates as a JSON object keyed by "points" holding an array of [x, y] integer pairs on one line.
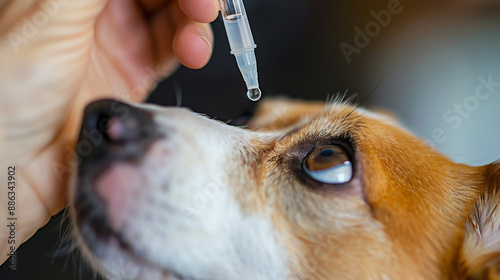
{"points": [[435, 64]]}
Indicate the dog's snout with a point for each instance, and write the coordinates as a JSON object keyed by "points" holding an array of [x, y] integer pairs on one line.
{"points": [[118, 122], [115, 130]]}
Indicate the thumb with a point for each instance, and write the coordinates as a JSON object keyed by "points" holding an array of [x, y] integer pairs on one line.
{"points": [[27, 24], [31, 18], [50, 36], [44, 49]]}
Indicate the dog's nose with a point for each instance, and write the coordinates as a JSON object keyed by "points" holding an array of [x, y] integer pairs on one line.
{"points": [[114, 130]]}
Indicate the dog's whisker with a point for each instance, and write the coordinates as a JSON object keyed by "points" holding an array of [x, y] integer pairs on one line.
{"points": [[66, 262], [178, 94], [80, 271], [352, 99], [363, 103]]}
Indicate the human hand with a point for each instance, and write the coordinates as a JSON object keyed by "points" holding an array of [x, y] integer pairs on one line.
{"points": [[56, 56]]}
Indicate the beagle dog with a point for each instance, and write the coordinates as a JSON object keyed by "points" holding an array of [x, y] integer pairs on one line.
{"points": [[307, 190]]}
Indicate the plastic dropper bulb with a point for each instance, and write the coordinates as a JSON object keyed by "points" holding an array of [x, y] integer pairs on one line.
{"points": [[254, 94]]}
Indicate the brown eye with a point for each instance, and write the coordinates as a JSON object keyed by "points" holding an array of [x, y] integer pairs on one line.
{"points": [[329, 164]]}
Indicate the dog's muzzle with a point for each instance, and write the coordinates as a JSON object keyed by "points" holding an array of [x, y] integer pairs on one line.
{"points": [[111, 132]]}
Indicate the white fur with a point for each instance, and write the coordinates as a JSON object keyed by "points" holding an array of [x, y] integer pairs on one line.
{"points": [[185, 217], [383, 118], [483, 233]]}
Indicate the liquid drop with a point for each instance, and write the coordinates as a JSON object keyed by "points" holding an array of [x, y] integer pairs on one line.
{"points": [[254, 94]]}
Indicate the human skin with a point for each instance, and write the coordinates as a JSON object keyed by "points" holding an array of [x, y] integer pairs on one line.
{"points": [[57, 57]]}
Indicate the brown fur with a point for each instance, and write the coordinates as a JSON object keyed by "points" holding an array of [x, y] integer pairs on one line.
{"points": [[411, 213]]}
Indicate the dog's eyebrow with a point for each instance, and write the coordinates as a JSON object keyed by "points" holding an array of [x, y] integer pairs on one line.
{"points": [[295, 128], [290, 132]]}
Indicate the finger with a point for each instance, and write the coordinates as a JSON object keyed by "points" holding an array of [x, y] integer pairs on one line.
{"points": [[193, 44], [124, 36], [163, 26], [152, 5], [204, 11], [49, 36]]}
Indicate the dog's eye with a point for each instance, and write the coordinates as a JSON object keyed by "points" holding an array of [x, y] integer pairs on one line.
{"points": [[329, 164]]}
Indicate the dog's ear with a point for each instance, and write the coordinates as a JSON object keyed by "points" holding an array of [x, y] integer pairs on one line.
{"points": [[480, 254]]}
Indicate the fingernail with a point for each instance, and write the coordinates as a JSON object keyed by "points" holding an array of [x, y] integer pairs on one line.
{"points": [[204, 36]]}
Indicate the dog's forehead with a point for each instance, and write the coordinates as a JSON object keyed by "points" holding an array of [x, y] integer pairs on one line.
{"points": [[397, 171], [278, 114], [323, 118]]}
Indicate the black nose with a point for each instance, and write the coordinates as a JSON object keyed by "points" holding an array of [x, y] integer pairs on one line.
{"points": [[114, 130]]}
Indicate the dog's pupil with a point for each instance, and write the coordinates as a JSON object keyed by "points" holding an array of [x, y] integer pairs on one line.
{"points": [[326, 153]]}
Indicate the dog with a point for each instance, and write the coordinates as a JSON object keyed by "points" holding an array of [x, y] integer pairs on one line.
{"points": [[307, 190]]}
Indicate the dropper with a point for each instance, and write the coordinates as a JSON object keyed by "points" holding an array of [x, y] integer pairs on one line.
{"points": [[241, 43]]}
